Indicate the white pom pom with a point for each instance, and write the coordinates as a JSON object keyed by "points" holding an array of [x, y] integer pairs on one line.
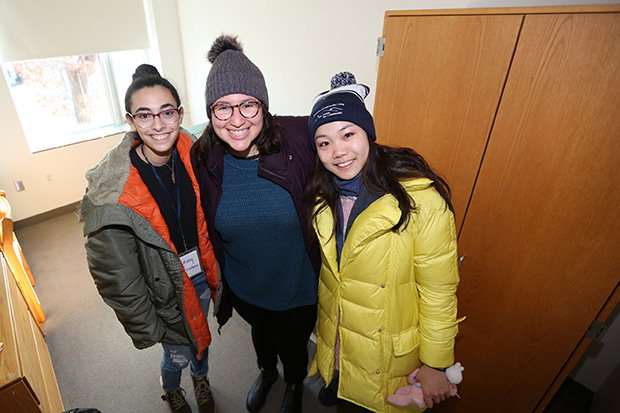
{"points": [[342, 79]]}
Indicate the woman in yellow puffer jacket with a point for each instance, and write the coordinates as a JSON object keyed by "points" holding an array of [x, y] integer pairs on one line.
{"points": [[387, 289]]}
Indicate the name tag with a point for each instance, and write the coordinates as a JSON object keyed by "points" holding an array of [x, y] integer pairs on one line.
{"points": [[191, 262]]}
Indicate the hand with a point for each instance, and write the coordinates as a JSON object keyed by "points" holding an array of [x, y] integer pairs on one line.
{"points": [[435, 385]]}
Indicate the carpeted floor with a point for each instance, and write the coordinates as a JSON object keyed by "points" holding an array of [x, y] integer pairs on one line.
{"points": [[95, 362], [97, 366]]}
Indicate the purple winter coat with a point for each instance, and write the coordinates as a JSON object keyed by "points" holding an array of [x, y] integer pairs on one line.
{"points": [[290, 168]]}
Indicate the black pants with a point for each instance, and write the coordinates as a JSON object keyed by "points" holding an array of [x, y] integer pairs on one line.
{"points": [[279, 333]]}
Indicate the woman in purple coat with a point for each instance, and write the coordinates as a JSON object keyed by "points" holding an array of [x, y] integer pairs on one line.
{"points": [[252, 168]]}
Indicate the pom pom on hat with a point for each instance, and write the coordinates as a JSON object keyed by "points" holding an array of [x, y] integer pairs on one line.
{"points": [[342, 79], [232, 72], [221, 44], [343, 102]]}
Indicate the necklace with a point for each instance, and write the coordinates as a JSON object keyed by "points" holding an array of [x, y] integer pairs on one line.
{"points": [[174, 181], [172, 170]]}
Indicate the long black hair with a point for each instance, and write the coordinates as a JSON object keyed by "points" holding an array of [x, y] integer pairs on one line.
{"points": [[385, 169]]}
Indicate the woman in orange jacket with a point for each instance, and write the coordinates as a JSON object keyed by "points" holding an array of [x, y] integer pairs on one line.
{"points": [[148, 247]]}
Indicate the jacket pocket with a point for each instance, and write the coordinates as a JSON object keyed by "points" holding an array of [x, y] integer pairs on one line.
{"points": [[406, 341], [175, 329], [170, 314]]}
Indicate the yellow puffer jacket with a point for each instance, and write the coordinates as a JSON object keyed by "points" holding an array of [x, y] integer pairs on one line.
{"points": [[395, 294]]}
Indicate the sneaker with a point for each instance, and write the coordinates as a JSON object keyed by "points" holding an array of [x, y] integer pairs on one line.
{"points": [[204, 398], [176, 401]]}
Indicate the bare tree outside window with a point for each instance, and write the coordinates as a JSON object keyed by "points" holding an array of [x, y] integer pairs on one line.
{"points": [[79, 70], [70, 99]]}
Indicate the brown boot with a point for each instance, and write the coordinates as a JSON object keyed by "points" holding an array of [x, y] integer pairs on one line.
{"points": [[204, 398], [176, 401]]}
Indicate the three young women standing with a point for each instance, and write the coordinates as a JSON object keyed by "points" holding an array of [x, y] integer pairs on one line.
{"points": [[383, 218], [147, 244], [253, 168]]}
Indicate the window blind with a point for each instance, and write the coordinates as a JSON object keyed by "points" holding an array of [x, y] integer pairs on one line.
{"points": [[35, 29]]}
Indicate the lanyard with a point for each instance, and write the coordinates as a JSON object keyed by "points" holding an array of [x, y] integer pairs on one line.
{"points": [[176, 210]]}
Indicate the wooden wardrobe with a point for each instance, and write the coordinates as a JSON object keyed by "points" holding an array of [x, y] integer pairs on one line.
{"points": [[519, 108]]}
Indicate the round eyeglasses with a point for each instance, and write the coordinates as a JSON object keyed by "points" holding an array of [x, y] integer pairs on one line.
{"points": [[247, 109], [146, 119]]}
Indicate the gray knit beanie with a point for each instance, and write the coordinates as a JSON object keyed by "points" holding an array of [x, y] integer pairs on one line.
{"points": [[232, 72]]}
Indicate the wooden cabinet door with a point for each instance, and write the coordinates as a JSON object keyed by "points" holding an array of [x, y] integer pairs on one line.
{"points": [[542, 231], [439, 84]]}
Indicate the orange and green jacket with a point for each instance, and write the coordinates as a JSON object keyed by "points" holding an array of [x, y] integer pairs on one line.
{"points": [[132, 259]]}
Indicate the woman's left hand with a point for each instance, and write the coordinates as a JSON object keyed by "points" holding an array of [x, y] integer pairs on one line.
{"points": [[435, 385]]}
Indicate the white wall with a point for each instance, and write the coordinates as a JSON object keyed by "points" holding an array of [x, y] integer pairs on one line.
{"points": [[297, 45], [300, 45], [66, 166]]}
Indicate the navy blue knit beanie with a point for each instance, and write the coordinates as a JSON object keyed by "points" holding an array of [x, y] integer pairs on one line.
{"points": [[343, 102]]}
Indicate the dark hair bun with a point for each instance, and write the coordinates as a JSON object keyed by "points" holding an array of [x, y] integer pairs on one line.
{"points": [[145, 70], [221, 44]]}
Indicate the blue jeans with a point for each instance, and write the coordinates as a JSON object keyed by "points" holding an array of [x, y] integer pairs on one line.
{"points": [[176, 358]]}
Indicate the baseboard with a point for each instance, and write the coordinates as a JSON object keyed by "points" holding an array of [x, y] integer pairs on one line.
{"points": [[22, 223]]}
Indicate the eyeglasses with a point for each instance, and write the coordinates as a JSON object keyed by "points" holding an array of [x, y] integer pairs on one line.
{"points": [[146, 119], [247, 109]]}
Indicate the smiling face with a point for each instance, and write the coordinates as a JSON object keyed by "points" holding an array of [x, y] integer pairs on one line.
{"points": [[342, 147], [237, 132], [159, 138]]}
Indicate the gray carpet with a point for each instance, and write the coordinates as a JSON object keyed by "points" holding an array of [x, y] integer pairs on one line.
{"points": [[97, 366], [95, 362]]}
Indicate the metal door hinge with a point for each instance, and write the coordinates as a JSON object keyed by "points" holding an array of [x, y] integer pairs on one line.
{"points": [[380, 46], [596, 331]]}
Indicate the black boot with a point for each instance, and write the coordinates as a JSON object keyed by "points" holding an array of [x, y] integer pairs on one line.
{"points": [[292, 398], [328, 396], [257, 395]]}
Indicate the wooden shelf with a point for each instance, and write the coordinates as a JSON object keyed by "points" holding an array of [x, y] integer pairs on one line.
{"points": [[27, 379]]}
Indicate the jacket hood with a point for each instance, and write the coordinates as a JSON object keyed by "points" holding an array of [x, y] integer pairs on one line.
{"points": [[107, 179], [417, 184]]}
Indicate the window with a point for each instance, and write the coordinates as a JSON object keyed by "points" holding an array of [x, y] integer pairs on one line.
{"points": [[65, 100]]}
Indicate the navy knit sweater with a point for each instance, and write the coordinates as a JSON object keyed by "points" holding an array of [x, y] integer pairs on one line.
{"points": [[267, 263]]}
